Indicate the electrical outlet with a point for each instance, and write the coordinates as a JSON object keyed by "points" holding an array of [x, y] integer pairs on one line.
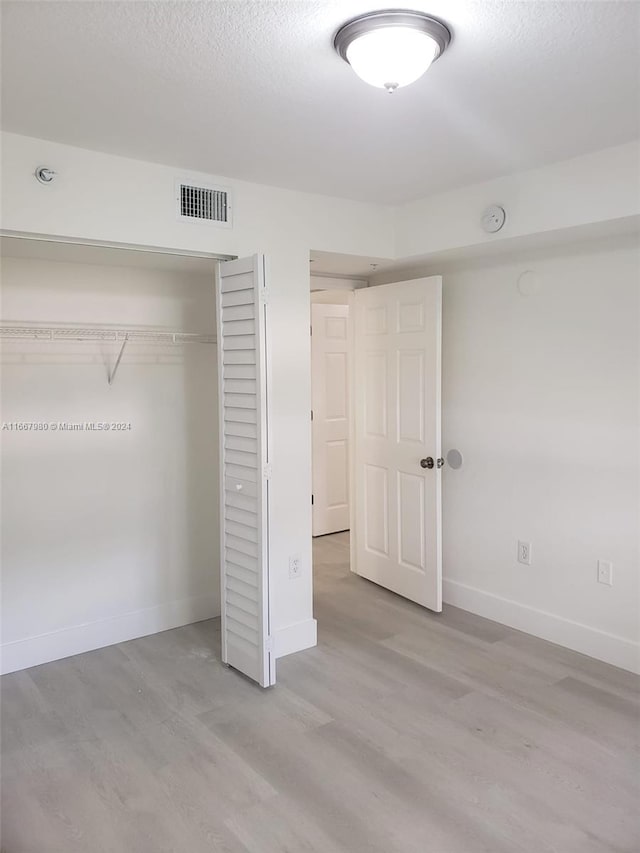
{"points": [[524, 553], [605, 572], [294, 567]]}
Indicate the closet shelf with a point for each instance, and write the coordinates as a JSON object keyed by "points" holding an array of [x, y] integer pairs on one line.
{"points": [[102, 333], [98, 334]]}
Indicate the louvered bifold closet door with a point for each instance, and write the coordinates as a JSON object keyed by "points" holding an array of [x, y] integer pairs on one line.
{"points": [[244, 472]]}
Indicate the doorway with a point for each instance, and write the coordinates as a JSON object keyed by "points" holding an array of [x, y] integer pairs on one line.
{"points": [[376, 363]]}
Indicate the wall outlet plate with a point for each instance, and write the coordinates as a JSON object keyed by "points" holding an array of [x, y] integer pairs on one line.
{"points": [[524, 552], [295, 567], [605, 572]]}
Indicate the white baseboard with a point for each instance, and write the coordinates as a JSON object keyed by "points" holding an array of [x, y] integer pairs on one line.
{"points": [[296, 637], [573, 635], [32, 651]]}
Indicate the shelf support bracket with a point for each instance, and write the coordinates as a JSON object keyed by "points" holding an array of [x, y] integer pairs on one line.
{"points": [[112, 375]]}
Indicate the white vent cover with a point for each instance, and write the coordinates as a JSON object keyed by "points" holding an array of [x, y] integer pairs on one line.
{"points": [[202, 203]]}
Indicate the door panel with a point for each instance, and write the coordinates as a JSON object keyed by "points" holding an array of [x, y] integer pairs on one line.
{"points": [[411, 520], [410, 409], [375, 405], [335, 380], [376, 498], [397, 504], [330, 365], [337, 473], [244, 499]]}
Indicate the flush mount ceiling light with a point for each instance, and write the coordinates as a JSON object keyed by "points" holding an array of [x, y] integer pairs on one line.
{"points": [[392, 48]]}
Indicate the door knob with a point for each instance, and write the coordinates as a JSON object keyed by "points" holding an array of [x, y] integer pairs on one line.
{"points": [[428, 462]]}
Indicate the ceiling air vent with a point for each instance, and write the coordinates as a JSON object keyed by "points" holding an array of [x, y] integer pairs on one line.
{"points": [[198, 203]]}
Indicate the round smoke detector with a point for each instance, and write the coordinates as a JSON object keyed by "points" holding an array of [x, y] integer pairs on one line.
{"points": [[493, 218]]}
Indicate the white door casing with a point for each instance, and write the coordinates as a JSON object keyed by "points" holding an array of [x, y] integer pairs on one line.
{"points": [[244, 468], [330, 366], [396, 534]]}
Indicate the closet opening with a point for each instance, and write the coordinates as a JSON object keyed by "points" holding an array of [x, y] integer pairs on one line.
{"points": [[110, 444]]}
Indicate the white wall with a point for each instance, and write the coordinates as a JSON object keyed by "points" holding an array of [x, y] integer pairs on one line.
{"points": [[581, 192], [103, 197], [106, 535], [112, 198], [541, 394]]}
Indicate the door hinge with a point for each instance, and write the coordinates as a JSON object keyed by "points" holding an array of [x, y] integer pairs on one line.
{"points": [[311, 414], [312, 498], [264, 296], [267, 471], [268, 645]]}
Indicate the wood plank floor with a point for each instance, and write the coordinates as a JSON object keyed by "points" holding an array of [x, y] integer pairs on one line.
{"points": [[402, 732]]}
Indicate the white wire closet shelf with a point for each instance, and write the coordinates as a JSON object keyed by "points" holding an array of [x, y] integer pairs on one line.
{"points": [[19, 331], [100, 334]]}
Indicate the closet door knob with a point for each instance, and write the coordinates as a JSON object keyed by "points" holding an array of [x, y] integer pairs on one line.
{"points": [[427, 463]]}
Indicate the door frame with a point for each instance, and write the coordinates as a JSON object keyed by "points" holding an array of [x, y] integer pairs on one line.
{"points": [[114, 244]]}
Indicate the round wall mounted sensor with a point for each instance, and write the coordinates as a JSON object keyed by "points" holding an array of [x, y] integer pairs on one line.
{"points": [[44, 174], [493, 218]]}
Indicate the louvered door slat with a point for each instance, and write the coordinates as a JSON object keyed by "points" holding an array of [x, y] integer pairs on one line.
{"points": [[239, 501], [242, 386], [239, 515], [240, 401], [240, 371], [244, 491], [247, 458], [244, 430], [232, 300], [238, 415], [240, 312], [246, 356], [242, 560], [238, 629], [243, 529], [239, 327], [241, 443]]}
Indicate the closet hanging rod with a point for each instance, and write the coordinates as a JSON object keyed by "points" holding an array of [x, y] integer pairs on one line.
{"points": [[17, 331]]}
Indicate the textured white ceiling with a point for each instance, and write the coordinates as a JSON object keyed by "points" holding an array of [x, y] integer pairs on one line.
{"points": [[254, 90]]}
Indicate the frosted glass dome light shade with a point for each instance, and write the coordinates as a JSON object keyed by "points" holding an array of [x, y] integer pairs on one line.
{"points": [[391, 49], [392, 57]]}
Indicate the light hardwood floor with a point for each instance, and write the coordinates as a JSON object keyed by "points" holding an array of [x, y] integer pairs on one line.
{"points": [[402, 732]]}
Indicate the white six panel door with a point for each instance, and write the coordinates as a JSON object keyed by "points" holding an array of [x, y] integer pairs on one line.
{"points": [[330, 426], [396, 537], [244, 500]]}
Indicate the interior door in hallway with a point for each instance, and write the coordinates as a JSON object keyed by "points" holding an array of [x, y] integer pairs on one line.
{"points": [[396, 535], [330, 424]]}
